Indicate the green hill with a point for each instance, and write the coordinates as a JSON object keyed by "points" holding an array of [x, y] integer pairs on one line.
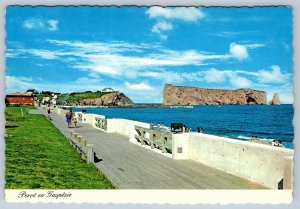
{"points": [[76, 96]]}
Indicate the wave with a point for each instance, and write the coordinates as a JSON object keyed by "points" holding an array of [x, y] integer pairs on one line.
{"points": [[243, 137], [263, 139]]}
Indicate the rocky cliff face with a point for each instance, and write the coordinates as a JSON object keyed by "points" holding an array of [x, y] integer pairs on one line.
{"points": [[110, 99], [275, 100], [183, 95]]}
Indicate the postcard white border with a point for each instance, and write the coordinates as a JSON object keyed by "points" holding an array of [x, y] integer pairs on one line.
{"points": [[152, 196], [158, 196]]}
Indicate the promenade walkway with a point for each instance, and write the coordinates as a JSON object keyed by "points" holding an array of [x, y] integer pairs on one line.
{"points": [[130, 166]]}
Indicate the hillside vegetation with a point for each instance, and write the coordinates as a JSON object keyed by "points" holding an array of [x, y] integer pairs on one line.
{"points": [[76, 96]]}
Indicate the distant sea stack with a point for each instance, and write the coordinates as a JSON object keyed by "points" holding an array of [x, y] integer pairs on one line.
{"points": [[184, 95], [275, 100]]}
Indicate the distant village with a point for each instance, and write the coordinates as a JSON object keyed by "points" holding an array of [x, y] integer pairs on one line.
{"points": [[32, 97]]}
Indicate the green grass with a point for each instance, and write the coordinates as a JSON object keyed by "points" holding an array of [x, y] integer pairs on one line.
{"points": [[38, 156], [73, 97]]}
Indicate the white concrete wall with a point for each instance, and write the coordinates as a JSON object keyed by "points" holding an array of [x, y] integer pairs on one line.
{"points": [[180, 142], [263, 164], [60, 111], [124, 127], [89, 117]]}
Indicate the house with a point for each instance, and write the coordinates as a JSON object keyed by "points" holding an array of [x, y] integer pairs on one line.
{"points": [[25, 98], [46, 100], [108, 89]]}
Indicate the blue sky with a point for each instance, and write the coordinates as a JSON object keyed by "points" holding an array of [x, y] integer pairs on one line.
{"points": [[136, 50]]}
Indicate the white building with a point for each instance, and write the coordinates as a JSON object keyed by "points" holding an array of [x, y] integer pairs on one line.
{"points": [[108, 89]]}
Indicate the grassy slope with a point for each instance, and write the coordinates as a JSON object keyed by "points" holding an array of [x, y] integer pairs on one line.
{"points": [[38, 156], [83, 95]]}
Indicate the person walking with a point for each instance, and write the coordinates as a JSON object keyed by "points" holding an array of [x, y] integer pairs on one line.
{"points": [[48, 111], [75, 122], [69, 115]]}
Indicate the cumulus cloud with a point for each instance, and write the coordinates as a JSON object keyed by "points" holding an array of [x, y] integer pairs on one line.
{"points": [[214, 76], [239, 81], [238, 51], [33, 24], [222, 76], [138, 86], [161, 26], [17, 83], [273, 76], [165, 15], [40, 24], [189, 14]]}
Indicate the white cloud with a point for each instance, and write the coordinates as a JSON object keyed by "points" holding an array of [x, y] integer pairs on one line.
{"points": [[44, 54], [161, 26], [240, 82], [138, 86], [238, 51], [274, 76], [15, 83], [112, 58], [222, 76], [40, 24], [214, 76], [189, 14], [53, 25], [149, 61], [254, 46], [33, 24], [87, 80]]}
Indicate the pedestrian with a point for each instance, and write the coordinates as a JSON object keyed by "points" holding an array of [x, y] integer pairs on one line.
{"points": [[75, 122], [69, 115], [151, 125], [48, 110]]}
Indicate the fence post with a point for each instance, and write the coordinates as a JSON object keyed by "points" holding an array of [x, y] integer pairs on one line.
{"points": [[72, 133], [163, 144], [90, 153], [75, 136], [79, 138], [151, 140], [83, 143], [142, 137]]}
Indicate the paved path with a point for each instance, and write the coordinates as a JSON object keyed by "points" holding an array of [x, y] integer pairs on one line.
{"points": [[130, 166]]}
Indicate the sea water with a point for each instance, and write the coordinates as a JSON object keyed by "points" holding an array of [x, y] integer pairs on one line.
{"points": [[267, 122]]}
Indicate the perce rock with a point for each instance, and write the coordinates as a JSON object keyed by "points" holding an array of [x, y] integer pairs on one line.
{"points": [[184, 95]]}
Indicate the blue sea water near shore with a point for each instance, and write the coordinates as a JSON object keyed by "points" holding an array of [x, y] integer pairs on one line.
{"points": [[267, 122]]}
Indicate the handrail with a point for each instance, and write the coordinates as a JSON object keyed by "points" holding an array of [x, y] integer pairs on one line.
{"points": [[101, 123], [155, 138]]}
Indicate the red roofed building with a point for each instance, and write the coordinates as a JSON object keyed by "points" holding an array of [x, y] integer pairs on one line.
{"points": [[25, 98]]}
